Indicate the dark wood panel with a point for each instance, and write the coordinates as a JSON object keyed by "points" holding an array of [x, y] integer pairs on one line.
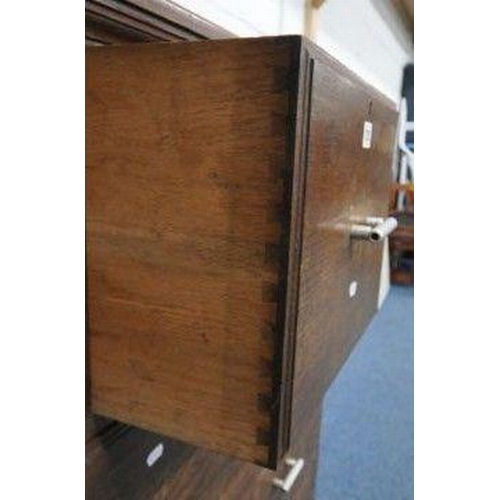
{"points": [[117, 466], [189, 168], [344, 182], [117, 21]]}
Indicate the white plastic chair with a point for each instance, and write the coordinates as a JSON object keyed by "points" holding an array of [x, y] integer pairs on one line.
{"points": [[406, 156]]}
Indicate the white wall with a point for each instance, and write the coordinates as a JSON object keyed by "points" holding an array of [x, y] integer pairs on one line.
{"points": [[365, 35], [251, 17], [357, 35]]}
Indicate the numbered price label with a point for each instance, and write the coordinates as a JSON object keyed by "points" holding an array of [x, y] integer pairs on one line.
{"points": [[367, 135]]}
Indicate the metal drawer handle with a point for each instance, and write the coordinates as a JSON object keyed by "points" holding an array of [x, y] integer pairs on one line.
{"points": [[374, 229], [286, 484]]}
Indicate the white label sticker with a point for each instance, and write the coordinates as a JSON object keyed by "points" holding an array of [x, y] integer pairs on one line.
{"points": [[353, 288], [367, 135], [155, 454]]}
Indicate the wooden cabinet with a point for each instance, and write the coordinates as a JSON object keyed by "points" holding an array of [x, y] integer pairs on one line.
{"points": [[224, 288]]}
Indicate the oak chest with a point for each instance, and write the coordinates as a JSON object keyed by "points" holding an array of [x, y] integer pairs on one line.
{"points": [[228, 185]]}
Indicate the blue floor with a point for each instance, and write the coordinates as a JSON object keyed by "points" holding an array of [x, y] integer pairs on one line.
{"points": [[366, 450]]}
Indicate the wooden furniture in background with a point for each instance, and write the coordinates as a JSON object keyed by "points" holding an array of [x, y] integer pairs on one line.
{"points": [[401, 241], [220, 179]]}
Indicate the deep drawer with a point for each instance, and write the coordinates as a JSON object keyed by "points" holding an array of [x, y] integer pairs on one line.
{"points": [[221, 180]]}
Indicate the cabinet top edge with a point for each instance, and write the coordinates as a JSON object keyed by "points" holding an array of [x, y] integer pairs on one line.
{"points": [[274, 39], [299, 42]]}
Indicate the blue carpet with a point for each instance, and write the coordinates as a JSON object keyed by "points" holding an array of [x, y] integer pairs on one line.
{"points": [[366, 448]]}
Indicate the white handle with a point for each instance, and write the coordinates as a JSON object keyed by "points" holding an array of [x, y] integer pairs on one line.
{"points": [[374, 229], [287, 483]]}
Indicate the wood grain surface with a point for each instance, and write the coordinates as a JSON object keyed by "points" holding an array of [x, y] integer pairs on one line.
{"points": [[188, 214], [118, 21], [344, 183], [274, 316]]}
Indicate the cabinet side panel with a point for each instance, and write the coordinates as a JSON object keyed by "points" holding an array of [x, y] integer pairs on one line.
{"points": [[187, 156]]}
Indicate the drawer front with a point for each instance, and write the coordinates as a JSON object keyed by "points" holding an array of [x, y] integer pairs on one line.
{"points": [[339, 276]]}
